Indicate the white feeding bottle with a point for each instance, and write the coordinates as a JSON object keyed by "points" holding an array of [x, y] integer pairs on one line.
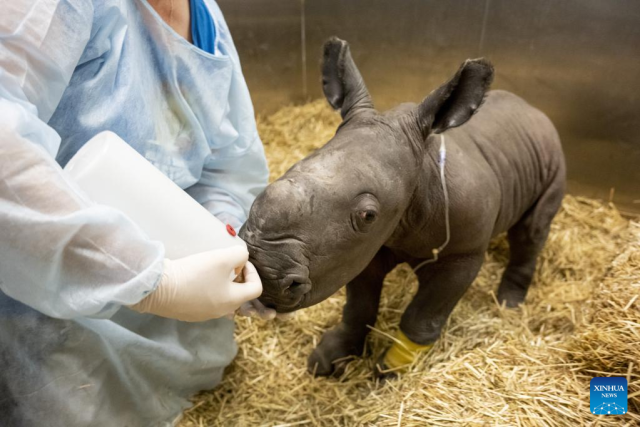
{"points": [[112, 173]]}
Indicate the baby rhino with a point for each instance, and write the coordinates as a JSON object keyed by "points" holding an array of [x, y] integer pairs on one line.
{"points": [[373, 197]]}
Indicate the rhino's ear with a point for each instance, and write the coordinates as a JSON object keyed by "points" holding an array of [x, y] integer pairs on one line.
{"points": [[342, 83], [453, 103]]}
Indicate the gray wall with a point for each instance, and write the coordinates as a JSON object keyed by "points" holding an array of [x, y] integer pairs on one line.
{"points": [[577, 60]]}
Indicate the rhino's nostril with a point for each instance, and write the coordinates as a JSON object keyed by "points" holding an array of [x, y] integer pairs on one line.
{"points": [[299, 289]]}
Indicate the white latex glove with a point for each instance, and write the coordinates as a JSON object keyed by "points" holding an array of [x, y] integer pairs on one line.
{"points": [[200, 287], [256, 308]]}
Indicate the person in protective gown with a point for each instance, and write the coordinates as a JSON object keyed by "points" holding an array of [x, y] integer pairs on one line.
{"points": [[96, 326]]}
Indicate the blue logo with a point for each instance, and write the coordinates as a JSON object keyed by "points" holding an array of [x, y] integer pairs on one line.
{"points": [[608, 396]]}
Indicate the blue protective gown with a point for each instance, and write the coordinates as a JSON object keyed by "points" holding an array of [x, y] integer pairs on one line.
{"points": [[70, 353]]}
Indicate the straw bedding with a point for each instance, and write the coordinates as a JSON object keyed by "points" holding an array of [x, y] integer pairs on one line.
{"points": [[492, 366]]}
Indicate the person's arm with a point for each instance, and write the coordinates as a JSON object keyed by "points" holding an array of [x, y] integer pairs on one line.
{"points": [[229, 185], [236, 172], [59, 253]]}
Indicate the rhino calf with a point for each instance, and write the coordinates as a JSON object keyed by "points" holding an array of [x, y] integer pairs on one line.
{"points": [[372, 198]]}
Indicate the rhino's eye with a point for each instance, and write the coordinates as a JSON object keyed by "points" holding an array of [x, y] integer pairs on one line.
{"points": [[363, 219], [368, 216], [365, 212]]}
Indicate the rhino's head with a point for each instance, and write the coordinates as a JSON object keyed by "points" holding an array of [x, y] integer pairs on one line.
{"points": [[319, 225]]}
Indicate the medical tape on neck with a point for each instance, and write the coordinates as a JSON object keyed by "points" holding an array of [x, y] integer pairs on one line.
{"points": [[445, 193]]}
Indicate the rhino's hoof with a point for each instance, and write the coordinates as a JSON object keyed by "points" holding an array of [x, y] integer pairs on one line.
{"points": [[381, 371], [511, 297], [335, 351]]}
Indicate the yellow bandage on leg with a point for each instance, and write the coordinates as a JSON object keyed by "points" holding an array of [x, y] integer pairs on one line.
{"points": [[403, 352]]}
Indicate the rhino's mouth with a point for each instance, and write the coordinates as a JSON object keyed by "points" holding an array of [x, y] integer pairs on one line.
{"points": [[283, 267], [280, 308], [287, 298]]}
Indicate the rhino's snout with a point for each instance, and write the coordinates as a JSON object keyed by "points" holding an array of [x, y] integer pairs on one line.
{"points": [[284, 294], [290, 298], [282, 267]]}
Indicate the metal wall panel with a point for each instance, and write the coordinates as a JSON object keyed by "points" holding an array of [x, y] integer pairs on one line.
{"points": [[403, 48], [267, 35], [576, 60]]}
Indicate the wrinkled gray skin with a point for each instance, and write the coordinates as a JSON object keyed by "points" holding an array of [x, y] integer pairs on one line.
{"points": [[372, 198]]}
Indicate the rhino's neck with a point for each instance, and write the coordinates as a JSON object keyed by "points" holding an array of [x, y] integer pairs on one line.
{"points": [[423, 217]]}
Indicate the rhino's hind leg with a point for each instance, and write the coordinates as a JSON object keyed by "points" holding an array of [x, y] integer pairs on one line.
{"points": [[348, 337], [526, 239]]}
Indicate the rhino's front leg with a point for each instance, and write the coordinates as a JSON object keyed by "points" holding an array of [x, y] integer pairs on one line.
{"points": [[441, 285], [361, 309]]}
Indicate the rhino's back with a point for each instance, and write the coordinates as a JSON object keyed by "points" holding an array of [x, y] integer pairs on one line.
{"points": [[519, 144]]}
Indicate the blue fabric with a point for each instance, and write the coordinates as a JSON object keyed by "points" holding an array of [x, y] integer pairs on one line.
{"points": [[203, 29], [70, 353]]}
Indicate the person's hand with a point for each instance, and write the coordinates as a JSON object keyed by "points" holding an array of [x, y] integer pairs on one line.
{"points": [[256, 308], [201, 287]]}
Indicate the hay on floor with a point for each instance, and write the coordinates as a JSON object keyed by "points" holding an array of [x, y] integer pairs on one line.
{"points": [[609, 343], [492, 366]]}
